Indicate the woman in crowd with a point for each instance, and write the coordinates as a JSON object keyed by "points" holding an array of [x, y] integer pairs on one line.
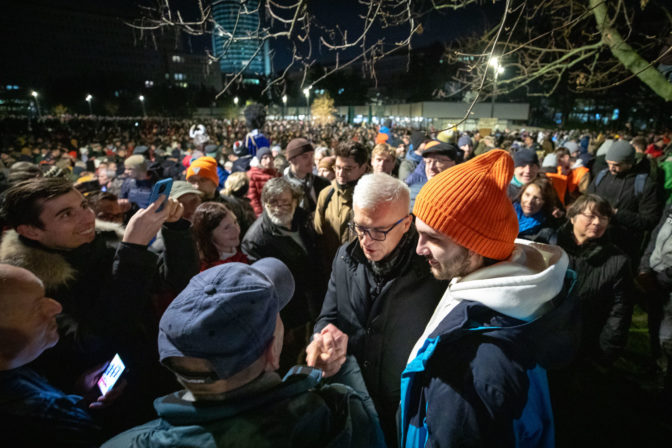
{"points": [[535, 206], [604, 283], [235, 197], [217, 235]]}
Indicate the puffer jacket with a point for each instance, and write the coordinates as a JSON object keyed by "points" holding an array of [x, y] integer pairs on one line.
{"points": [[258, 178]]}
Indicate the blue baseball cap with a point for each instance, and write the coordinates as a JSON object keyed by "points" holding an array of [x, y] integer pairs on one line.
{"points": [[227, 314]]}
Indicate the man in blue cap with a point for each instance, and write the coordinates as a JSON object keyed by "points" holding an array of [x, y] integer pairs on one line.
{"points": [[222, 338]]}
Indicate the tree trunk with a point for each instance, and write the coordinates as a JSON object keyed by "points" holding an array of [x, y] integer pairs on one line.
{"points": [[627, 55]]}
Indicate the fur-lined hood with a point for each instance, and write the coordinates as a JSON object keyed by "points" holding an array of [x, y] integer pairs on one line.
{"points": [[50, 267]]}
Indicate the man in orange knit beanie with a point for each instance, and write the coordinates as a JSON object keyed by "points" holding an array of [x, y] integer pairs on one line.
{"points": [[202, 175], [477, 375]]}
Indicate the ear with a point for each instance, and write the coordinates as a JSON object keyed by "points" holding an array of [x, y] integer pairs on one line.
{"points": [[407, 223], [272, 355], [30, 232]]}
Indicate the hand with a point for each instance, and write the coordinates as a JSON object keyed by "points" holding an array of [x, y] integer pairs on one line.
{"points": [[146, 223], [105, 400], [327, 351], [124, 204], [557, 213]]}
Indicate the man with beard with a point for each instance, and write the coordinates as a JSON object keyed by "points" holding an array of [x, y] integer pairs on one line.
{"points": [[334, 205], [379, 299], [477, 375], [283, 231]]}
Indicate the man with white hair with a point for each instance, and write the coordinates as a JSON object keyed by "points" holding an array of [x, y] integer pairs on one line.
{"points": [[379, 298]]}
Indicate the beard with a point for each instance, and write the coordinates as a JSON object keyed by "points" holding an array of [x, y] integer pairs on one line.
{"points": [[281, 217], [458, 266]]}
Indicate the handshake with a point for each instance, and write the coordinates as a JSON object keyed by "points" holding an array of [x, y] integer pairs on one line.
{"points": [[327, 350]]}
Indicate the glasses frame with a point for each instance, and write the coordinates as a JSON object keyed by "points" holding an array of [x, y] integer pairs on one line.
{"points": [[357, 229], [591, 218]]}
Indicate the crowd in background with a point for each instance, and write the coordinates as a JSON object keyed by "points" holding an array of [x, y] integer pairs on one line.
{"points": [[246, 190]]}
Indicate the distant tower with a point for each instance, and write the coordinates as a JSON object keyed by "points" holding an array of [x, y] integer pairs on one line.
{"points": [[235, 55]]}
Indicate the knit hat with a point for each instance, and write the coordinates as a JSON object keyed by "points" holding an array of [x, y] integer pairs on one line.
{"points": [[469, 204], [205, 167], [621, 151], [265, 151], [550, 161], [296, 147], [136, 161], [524, 157]]}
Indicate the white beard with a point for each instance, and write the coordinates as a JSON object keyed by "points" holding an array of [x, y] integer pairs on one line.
{"points": [[282, 219]]}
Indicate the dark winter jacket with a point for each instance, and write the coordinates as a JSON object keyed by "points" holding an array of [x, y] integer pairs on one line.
{"points": [[311, 186], [478, 378], [265, 239], [636, 213], [383, 318], [297, 412], [104, 288], [604, 286]]}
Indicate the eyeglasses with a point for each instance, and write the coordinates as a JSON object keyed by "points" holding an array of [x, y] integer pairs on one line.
{"points": [[374, 234], [591, 218]]}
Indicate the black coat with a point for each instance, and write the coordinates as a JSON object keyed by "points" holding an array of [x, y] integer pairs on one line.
{"points": [[382, 328], [604, 287], [265, 239], [636, 214]]}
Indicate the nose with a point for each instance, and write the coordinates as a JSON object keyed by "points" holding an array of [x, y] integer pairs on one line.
{"points": [[52, 307], [421, 248]]}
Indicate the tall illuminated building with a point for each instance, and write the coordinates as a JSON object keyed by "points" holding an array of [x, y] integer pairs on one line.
{"points": [[232, 18]]}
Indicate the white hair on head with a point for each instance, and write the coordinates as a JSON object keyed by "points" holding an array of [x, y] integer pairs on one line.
{"points": [[376, 189]]}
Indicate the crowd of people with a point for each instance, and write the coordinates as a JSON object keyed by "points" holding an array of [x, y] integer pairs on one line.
{"points": [[336, 285]]}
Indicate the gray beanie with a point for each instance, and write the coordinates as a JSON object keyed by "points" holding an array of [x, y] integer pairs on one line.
{"points": [[550, 161], [621, 151]]}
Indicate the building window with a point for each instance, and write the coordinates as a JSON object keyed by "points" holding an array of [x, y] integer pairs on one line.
{"points": [[149, 84], [179, 76], [184, 85], [177, 58]]}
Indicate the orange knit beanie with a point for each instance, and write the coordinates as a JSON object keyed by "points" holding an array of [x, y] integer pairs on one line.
{"points": [[468, 202], [204, 167]]}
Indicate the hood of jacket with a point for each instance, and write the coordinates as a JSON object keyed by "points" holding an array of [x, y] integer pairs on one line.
{"points": [[48, 265], [519, 287]]}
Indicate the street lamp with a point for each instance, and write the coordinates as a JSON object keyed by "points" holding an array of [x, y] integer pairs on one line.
{"points": [[306, 92], [235, 100], [142, 101], [88, 100], [284, 105], [37, 103], [497, 70]]}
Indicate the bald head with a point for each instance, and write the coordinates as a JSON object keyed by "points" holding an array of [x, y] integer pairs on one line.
{"points": [[27, 318]]}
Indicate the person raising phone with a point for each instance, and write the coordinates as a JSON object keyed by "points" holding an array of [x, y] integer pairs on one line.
{"points": [[37, 413]]}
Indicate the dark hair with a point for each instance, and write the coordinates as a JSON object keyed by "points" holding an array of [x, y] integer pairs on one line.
{"points": [[639, 142], [24, 202], [548, 194], [353, 149], [593, 202], [206, 219], [561, 152]]}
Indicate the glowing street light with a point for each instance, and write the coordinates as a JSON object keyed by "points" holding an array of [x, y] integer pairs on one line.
{"points": [[88, 99], [37, 103], [142, 101], [284, 105], [235, 100], [497, 69]]}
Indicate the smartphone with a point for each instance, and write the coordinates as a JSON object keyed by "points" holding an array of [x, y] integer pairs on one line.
{"points": [[111, 375], [161, 187]]}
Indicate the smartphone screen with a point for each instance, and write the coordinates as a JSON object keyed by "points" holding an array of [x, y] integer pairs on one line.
{"points": [[111, 374]]}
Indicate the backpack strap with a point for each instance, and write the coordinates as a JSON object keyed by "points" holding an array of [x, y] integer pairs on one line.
{"points": [[600, 176], [331, 192]]}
